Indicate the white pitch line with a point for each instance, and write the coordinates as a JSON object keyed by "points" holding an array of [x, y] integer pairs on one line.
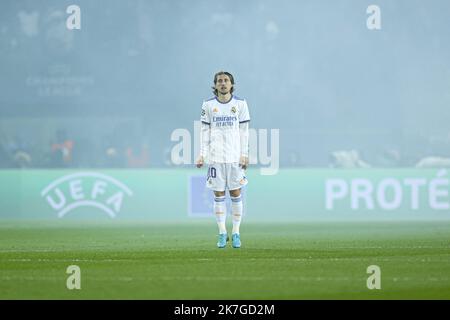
{"points": [[410, 247], [188, 278], [314, 259], [66, 260], [300, 248], [310, 259]]}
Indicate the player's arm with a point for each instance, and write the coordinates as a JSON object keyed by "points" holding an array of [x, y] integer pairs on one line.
{"points": [[243, 133], [205, 137], [244, 120]]}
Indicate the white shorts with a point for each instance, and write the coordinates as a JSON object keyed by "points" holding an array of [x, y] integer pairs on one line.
{"points": [[225, 175]]}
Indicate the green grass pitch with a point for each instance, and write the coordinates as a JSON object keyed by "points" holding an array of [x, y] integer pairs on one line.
{"points": [[135, 260]]}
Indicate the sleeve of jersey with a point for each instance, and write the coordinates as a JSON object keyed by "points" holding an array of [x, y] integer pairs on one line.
{"points": [[244, 119], [205, 132], [243, 134], [204, 118], [244, 115]]}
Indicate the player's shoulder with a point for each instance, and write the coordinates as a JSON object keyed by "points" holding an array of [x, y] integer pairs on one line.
{"points": [[209, 102], [210, 99], [242, 103], [238, 98]]}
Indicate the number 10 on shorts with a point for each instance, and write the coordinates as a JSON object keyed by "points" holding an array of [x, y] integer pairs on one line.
{"points": [[211, 172]]}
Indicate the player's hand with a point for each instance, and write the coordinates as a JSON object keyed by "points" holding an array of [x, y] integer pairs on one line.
{"points": [[243, 162], [199, 162]]}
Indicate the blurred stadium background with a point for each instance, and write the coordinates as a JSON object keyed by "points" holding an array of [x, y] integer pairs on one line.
{"points": [[109, 96], [138, 70], [88, 117]]}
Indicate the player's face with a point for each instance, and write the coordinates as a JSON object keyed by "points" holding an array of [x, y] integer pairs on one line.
{"points": [[223, 84]]}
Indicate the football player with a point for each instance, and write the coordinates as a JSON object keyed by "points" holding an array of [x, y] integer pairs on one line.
{"points": [[224, 146]]}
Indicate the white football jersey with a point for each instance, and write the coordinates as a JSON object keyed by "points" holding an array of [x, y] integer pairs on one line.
{"points": [[224, 120]]}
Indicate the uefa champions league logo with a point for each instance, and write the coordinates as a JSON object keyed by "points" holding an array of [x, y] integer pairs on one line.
{"points": [[86, 189]]}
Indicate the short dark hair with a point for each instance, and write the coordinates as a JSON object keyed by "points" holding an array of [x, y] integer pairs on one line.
{"points": [[219, 74]]}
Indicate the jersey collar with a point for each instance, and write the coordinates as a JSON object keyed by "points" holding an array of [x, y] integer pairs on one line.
{"points": [[225, 102]]}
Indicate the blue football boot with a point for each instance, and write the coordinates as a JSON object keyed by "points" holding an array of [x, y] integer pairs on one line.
{"points": [[236, 240], [223, 238]]}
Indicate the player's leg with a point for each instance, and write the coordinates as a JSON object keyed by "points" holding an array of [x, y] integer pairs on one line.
{"points": [[236, 180], [216, 182], [220, 210], [236, 212]]}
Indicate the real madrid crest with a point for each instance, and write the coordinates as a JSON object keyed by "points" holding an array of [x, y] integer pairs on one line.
{"points": [[233, 109]]}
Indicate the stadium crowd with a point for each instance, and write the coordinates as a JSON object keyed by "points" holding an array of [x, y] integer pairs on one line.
{"points": [[66, 150]]}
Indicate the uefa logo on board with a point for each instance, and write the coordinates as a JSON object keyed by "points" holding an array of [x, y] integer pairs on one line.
{"points": [[86, 189]]}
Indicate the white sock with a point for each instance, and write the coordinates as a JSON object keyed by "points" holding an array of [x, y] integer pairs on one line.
{"points": [[220, 212], [236, 211]]}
